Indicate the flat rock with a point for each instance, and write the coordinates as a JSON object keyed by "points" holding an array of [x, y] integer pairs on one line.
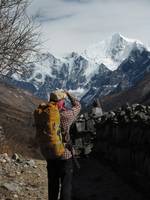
{"points": [[13, 187]]}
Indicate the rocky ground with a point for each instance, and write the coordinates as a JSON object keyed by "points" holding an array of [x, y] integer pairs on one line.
{"points": [[25, 179], [22, 179]]}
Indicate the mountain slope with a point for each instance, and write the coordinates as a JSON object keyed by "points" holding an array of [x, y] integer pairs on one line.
{"points": [[16, 119], [140, 93]]}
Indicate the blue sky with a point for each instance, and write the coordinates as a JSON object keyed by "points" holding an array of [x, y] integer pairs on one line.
{"points": [[73, 25]]}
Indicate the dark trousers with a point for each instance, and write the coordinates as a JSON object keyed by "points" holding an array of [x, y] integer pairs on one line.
{"points": [[59, 171]]}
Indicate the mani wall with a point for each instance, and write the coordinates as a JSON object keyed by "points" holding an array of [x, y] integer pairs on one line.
{"points": [[121, 137]]}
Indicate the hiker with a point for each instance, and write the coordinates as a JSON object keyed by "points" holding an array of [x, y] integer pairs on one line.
{"points": [[60, 169]]}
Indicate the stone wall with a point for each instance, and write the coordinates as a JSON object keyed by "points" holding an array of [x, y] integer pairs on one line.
{"points": [[123, 137]]}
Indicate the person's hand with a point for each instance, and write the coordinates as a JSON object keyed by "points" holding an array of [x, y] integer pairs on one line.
{"points": [[67, 93]]}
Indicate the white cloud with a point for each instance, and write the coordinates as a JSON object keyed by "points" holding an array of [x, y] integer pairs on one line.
{"points": [[72, 25]]}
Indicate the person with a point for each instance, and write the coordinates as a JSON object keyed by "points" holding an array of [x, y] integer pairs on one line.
{"points": [[60, 170], [97, 109]]}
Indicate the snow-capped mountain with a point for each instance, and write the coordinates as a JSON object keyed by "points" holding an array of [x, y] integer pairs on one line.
{"points": [[128, 74], [106, 67], [73, 73], [113, 51]]}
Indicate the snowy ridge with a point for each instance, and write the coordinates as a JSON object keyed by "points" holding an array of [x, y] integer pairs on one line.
{"points": [[44, 67], [113, 51], [91, 66], [102, 66]]}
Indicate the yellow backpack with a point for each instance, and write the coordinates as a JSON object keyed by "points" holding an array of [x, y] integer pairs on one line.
{"points": [[47, 122]]}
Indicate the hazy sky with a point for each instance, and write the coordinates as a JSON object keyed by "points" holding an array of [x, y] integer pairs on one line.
{"points": [[73, 25]]}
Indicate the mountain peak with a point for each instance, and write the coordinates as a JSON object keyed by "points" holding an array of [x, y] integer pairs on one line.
{"points": [[116, 37], [72, 55], [112, 51]]}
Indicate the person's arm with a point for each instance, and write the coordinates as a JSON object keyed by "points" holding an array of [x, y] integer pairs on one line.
{"points": [[69, 116], [76, 106]]}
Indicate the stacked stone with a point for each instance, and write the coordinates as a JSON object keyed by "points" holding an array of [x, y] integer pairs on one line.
{"points": [[83, 133], [123, 136]]}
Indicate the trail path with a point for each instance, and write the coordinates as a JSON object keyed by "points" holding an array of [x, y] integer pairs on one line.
{"points": [[95, 181]]}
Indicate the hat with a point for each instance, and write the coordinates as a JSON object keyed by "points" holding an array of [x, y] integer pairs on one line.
{"points": [[57, 95]]}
